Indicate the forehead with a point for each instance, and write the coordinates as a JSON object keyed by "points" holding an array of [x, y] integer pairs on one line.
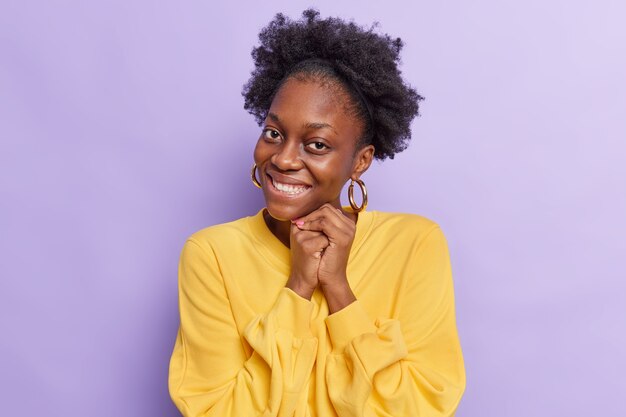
{"points": [[312, 101]]}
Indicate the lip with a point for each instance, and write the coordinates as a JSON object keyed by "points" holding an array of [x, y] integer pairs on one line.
{"points": [[281, 194], [285, 179]]}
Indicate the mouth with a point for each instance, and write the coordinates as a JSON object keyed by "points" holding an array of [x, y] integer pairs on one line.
{"points": [[290, 190]]}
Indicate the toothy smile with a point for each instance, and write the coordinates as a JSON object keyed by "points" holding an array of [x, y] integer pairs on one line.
{"points": [[291, 189]]}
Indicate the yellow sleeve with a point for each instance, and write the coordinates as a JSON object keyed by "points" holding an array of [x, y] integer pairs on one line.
{"points": [[410, 366], [210, 373]]}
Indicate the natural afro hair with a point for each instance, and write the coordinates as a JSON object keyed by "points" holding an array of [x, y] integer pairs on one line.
{"points": [[363, 62]]}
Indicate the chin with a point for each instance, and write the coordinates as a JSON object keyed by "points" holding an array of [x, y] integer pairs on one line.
{"points": [[283, 213]]}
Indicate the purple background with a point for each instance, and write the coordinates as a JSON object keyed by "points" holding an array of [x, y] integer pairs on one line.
{"points": [[122, 132]]}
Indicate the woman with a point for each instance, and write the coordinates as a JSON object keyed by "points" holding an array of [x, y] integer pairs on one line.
{"points": [[309, 308]]}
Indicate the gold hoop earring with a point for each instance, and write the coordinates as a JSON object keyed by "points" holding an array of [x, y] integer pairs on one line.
{"points": [[351, 195], [253, 175]]}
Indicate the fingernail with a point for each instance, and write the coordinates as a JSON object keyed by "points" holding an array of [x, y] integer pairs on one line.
{"points": [[299, 223]]}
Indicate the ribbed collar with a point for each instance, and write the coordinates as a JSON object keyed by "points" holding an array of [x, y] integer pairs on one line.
{"points": [[272, 249]]}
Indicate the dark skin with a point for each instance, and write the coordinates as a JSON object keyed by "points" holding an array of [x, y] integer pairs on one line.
{"points": [[306, 153]]}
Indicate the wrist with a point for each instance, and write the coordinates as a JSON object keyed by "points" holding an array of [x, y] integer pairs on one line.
{"points": [[338, 295], [300, 287]]}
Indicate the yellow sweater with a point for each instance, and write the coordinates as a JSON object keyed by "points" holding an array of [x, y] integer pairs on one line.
{"points": [[248, 346]]}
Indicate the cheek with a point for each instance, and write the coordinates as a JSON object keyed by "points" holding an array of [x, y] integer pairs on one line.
{"points": [[260, 151], [332, 172]]}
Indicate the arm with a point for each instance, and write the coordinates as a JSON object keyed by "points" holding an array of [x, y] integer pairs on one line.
{"points": [[211, 374], [412, 366]]}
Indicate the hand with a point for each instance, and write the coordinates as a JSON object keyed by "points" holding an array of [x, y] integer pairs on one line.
{"points": [[339, 231], [306, 252]]}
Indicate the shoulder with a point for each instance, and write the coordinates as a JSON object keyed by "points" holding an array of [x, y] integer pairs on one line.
{"points": [[223, 234], [404, 230], [403, 223]]}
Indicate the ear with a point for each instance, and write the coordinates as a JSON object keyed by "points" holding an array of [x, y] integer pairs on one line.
{"points": [[362, 161]]}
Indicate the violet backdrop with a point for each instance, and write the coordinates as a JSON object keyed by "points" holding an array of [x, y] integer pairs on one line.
{"points": [[122, 132]]}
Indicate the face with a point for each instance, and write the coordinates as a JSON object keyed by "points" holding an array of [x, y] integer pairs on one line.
{"points": [[307, 149]]}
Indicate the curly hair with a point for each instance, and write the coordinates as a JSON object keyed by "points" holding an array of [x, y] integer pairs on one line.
{"points": [[363, 62]]}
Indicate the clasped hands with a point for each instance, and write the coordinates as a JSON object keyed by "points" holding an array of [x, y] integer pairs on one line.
{"points": [[320, 246]]}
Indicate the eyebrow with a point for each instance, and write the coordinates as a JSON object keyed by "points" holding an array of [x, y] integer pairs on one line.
{"points": [[319, 125], [274, 117], [310, 125]]}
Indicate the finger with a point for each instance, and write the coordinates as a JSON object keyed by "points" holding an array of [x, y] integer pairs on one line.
{"points": [[326, 210], [301, 234], [328, 226], [304, 235], [315, 213], [342, 214], [337, 212], [298, 236], [315, 245], [328, 220], [344, 217]]}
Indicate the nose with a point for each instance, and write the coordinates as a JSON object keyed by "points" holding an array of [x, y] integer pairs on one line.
{"points": [[287, 157]]}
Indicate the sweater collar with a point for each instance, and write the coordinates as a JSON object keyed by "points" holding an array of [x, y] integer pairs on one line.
{"points": [[272, 249]]}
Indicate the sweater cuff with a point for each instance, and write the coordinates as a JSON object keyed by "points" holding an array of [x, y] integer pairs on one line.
{"points": [[293, 313], [348, 323]]}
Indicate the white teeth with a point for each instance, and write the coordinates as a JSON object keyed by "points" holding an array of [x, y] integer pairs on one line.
{"points": [[288, 188]]}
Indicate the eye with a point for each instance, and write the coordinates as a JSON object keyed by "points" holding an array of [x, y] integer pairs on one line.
{"points": [[317, 146], [271, 134]]}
